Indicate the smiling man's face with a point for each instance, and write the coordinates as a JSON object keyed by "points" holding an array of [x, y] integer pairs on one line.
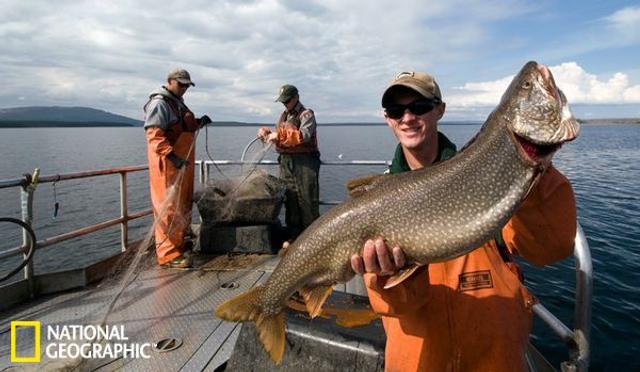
{"points": [[414, 131]]}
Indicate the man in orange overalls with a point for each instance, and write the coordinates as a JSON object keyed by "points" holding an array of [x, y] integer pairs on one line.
{"points": [[170, 130], [471, 313]]}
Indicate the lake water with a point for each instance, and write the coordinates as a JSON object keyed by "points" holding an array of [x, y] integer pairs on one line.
{"points": [[603, 165]]}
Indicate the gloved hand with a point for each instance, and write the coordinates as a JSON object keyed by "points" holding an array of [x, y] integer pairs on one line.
{"points": [[204, 120], [177, 162], [272, 137], [263, 132]]}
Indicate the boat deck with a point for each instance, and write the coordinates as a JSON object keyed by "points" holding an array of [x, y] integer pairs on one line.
{"points": [[178, 304], [158, 304]]}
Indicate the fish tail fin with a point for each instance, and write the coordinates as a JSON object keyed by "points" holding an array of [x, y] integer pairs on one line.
{"points": [[245, 307], [314, 298]]}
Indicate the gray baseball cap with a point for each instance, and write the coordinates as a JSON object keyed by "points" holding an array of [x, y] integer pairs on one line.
{"points": [[181, 75], [421, 82], [286, 92]]}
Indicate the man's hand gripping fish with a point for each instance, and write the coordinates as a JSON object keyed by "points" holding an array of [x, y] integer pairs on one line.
{"points": [[433, 215]]}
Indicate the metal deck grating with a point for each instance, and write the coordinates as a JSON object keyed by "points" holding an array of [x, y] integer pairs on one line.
{"points": [[158, 304]]}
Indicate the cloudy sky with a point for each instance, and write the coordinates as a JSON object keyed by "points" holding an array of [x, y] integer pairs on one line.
{"points": [[110, 54]]}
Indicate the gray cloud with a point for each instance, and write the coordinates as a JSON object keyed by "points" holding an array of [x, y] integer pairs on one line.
{"points": [[341, 54]]}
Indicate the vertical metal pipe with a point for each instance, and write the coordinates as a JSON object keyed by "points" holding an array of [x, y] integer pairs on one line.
{"points": [[584, 289], [202, 174], [26, 202], [207, 172], [579, 352], [124, 212]]}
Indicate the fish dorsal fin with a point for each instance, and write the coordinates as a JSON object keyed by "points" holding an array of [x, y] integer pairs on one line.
{"points": [[314, 298], [401, 275], [361, 185]]}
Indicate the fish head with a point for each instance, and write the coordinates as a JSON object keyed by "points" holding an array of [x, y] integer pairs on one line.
{"points": [[540, 120]]}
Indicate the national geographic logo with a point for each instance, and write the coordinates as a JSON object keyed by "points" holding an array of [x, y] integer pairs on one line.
{"points": [[73, 341], [35, 358]]}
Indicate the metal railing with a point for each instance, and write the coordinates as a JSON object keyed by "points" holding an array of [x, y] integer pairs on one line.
{"points": [[577, 340], [28, 184]]}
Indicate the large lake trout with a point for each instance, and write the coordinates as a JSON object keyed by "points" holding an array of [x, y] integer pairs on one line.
{"points": [[433, 215]]}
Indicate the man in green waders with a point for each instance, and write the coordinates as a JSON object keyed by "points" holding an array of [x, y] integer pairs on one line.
{"points": [[296, 141]]}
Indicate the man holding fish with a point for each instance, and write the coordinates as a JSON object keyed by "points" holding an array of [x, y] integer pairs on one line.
{"points": [[471, 312]]}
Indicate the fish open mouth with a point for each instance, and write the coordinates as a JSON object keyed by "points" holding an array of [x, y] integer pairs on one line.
{"points": [[536, 151]]}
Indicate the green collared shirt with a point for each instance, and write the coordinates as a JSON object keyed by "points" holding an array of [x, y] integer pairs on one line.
{"points": [[446, 149]]}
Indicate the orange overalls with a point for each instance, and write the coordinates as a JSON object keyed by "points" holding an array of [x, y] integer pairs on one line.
{"points": [[173, 215], [473, 313]]}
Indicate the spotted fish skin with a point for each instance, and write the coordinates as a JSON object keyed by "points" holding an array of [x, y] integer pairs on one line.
{"points": [[437, 213]]}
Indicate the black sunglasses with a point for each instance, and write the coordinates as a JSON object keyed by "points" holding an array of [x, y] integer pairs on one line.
{"points": [[419, 107], [183, 85]]}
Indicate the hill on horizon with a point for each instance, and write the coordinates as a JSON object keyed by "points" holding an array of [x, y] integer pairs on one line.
{"points": [[77, 116], [61, 115]]}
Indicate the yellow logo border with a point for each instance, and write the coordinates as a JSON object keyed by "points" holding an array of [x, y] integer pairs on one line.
{"points": [[25, 323]]}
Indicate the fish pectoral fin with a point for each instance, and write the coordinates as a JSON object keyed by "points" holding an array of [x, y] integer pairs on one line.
{"points": [[315, 297], [401, 275], [360, 186], [246, 307]]}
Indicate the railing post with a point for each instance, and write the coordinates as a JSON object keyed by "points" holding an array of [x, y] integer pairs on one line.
{"points": [[584, 290], [26, 202], [201, 173], [579, 348], [124, 212]]}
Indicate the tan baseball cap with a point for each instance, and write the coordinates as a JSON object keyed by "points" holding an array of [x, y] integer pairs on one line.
{"points": [[181, 75], [421, 82]]}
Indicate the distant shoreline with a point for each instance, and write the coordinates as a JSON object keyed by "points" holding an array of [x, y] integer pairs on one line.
{"points": [[619, 121], [14, 124], [59, 124], [90, 124]]}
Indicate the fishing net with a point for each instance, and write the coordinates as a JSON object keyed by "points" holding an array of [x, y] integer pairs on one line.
{"points": [[250, 200]]}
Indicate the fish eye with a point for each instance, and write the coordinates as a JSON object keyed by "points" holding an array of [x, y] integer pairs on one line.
{"points": [[526, 85]]}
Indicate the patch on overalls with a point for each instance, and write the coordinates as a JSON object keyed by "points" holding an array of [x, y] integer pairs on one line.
{"points": [[475, 280]]}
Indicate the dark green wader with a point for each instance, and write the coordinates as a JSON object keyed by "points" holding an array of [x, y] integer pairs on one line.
{"points": [[300, 172]]}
